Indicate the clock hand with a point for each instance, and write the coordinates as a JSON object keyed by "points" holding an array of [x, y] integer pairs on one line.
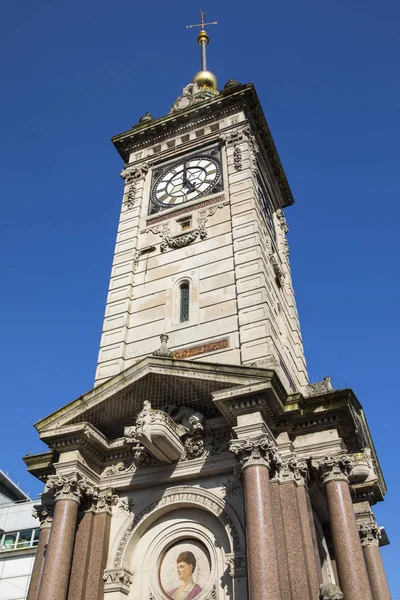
{"points": [[184, 173]]}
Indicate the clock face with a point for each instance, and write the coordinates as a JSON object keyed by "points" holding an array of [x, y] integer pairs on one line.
{"points": [[186, 180]]}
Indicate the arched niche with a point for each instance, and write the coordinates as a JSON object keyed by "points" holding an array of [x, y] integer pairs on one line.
{"points": [[182, 515]]}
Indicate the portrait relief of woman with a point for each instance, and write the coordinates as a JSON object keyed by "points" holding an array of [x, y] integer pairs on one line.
{"points": [[185, 570]]}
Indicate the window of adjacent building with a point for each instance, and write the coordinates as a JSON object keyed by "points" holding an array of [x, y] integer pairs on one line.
{"points": [[184, 302], [17, 540]]}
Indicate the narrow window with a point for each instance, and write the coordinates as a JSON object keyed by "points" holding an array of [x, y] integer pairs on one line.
{"points": [[184, 301]]}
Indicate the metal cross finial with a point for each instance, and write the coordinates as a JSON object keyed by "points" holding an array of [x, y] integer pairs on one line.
{"points": [[202, 24]]}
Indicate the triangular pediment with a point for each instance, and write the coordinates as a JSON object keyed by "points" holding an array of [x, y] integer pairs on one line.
{"points": [[115, 403]]}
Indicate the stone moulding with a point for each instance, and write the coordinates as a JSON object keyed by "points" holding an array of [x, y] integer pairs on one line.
{"points": [[180, 241], [198, 497]]}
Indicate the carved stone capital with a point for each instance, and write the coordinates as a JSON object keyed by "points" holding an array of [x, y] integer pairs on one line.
{"points": [[69, 487], [44, 514], [370, 534], [254, 452], [290, 469], [117, 580], [333, 468], [104, 500], [237, 565], [135, 173]]}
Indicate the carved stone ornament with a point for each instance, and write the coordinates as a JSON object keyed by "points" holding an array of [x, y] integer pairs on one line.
{"points": [[147, 118], [330, 591], [237, 565], [282, 221], [69, 487], [333, 468], [44, 514], [321, 387], [251, 452], [180, 241], [125, 506], [117, 580], [276, 265], [104, 500], [191, 94], [370, 534], [291, 469], [132, 175], [163, 349], [230, 487]]}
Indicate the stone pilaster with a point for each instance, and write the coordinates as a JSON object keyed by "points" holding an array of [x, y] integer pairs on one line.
{"points": [[257, 456], [369, 536], [353, 576], [45, 516], [68, 491]]}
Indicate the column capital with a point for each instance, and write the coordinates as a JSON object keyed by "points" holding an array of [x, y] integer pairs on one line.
{"points": [[333, 468], [255, 452], [44, 514], [289, 469], [370, 533], [69, 487]]}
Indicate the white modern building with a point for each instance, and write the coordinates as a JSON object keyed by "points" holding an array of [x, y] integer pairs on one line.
{"points": [[19, 535]]}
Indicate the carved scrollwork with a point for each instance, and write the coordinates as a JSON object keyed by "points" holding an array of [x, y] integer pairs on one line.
{"points": [[291, 469], [117, 580], [333, 468], [259, 451], [282, 221], [104, 500]]}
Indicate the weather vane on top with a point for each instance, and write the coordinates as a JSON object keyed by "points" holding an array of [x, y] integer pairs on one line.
{"points": [[202, 39]]}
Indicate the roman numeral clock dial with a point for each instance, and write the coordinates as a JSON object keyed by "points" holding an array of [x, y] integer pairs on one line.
{"points": [[184, 181]]}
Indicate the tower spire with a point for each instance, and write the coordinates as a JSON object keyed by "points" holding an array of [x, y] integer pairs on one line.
{"points": [[204, 79]]}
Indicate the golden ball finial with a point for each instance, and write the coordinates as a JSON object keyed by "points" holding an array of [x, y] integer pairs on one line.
{"points": [[206, 79], [202, 37]]}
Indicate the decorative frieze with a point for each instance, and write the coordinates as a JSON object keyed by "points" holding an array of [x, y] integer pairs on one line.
{"points": [[333, 468], [282, 221], [44, 514], [201, 349], [290, 469], [370, 534], [259, 452], [117, 580]]}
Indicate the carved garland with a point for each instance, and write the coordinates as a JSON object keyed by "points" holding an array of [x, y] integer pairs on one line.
{"points": [[214, 505], [132, 175]]}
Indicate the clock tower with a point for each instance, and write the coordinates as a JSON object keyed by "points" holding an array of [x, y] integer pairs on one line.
{"points": [[206, 467], [202, 253]]}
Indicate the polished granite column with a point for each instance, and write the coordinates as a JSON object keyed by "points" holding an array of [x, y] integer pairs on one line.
{"points": [[256, 456], [352, 571], [299, 571], [99, 547], [55, 578], [45, 516], [370, 535]]}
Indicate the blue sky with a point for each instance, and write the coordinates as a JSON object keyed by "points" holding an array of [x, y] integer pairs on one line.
{"points": [[76, 73]]}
